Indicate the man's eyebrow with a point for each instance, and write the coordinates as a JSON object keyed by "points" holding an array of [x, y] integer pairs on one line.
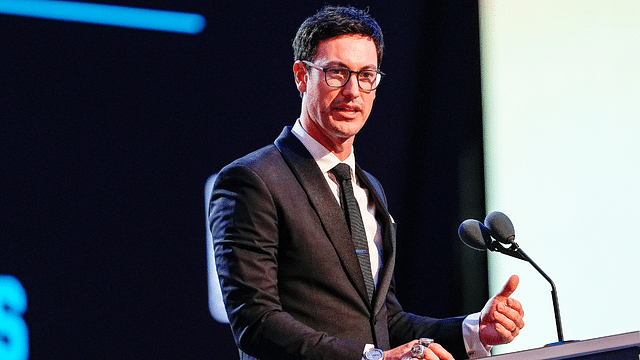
{"points": [[341, 64]]}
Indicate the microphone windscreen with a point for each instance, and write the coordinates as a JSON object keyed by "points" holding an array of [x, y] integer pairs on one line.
{"points": [[473, 234], [500, 227]]}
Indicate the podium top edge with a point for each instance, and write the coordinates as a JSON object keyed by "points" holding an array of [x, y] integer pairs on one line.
{"points": [[574, 349]]}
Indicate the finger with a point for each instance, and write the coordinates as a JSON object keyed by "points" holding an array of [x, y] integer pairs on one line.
{"points": [[515, 304], [510, 314], [509, 287], [508, 324], [425, 353], [402, 351], [429, 355], [439, 352], [505, 333]]}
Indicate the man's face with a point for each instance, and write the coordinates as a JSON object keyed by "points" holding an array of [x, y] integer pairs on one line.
{"points": [[335, 115]]}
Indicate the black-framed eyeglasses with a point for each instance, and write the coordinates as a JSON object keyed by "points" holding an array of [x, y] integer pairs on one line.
{"points": [[338, 76]]}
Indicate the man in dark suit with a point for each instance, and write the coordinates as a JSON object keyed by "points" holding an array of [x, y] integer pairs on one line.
{"points": [[295, 285]]}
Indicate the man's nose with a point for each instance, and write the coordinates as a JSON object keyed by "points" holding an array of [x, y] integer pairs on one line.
{"points": [[352, 87]]}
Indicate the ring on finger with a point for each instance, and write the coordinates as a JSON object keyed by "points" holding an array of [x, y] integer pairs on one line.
{"points": [[417, 351], [426, 342]]}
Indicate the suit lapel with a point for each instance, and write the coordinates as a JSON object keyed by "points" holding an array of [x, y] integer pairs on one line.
{"points": [[324, 203], [388, 238]]}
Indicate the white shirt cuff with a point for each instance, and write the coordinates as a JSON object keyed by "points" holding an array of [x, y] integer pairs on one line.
{"points": [[471, 335]]}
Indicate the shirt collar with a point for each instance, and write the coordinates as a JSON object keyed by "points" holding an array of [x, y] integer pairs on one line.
{"points": [[325, 159]]}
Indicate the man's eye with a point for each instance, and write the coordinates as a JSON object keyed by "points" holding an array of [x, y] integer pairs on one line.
{"points": [[335, 71], [367, 75]]}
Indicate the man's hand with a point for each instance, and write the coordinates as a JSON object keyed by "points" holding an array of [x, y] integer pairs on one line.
{"points": [[501, 318], [435, 351]]}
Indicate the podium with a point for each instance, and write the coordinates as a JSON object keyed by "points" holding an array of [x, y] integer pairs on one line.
{"points": [[616, 347]]}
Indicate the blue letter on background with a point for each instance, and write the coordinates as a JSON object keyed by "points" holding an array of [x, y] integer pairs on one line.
{"points": [[14, 335]]}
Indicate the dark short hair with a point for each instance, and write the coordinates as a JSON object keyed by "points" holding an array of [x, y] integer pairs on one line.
{"points": [[332, 21]]}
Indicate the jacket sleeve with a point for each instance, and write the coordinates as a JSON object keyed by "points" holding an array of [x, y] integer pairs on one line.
{"points": [[243, 219], [404, 327]]}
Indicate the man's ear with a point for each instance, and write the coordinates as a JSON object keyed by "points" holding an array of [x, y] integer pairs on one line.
{"points": [[301, 76]]}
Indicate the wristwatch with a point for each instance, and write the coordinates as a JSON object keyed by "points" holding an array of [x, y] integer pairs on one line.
{"points": [[374, 354]]}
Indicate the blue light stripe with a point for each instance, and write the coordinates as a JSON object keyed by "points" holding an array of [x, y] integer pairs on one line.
{"points": [[101, 14]]}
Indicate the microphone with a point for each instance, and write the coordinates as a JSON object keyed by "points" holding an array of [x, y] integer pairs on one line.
{"points": [[498, 226], [474, 234], [501, 228], [478, 236]]}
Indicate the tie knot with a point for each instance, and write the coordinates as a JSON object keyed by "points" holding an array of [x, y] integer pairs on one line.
{"points": [[342, 172]]}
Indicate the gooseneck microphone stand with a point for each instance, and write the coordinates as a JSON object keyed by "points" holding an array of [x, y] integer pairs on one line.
{"points": [[515, 251]]}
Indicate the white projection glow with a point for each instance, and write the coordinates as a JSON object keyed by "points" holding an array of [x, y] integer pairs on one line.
{"points": [[561, 89]]}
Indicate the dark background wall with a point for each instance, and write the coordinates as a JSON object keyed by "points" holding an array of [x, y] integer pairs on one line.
{"points": [[107, 136]]}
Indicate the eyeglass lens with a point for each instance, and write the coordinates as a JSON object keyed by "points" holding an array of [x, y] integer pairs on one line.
{"points": [[337, 77]]}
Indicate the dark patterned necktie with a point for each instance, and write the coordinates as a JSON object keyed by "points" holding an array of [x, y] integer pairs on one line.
{"points": [[349, 205]]}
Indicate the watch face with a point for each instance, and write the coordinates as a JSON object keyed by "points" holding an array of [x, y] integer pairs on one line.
{"points": [[374, 354]]}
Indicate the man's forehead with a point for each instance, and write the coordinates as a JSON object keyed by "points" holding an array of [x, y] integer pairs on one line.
{"points": [[348, 37], [348, 48]]}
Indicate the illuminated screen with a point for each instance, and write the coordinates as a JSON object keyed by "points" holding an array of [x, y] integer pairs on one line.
{"points": [[561, 90]]}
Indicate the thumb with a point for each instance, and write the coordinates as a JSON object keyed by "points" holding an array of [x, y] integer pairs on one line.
{"points": [[510, 286]]}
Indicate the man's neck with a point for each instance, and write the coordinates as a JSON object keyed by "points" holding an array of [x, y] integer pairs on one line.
{"points": [[340, 148], [341, 151]]}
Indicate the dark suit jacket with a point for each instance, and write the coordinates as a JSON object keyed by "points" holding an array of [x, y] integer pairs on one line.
{"points": [[288, 270]]}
